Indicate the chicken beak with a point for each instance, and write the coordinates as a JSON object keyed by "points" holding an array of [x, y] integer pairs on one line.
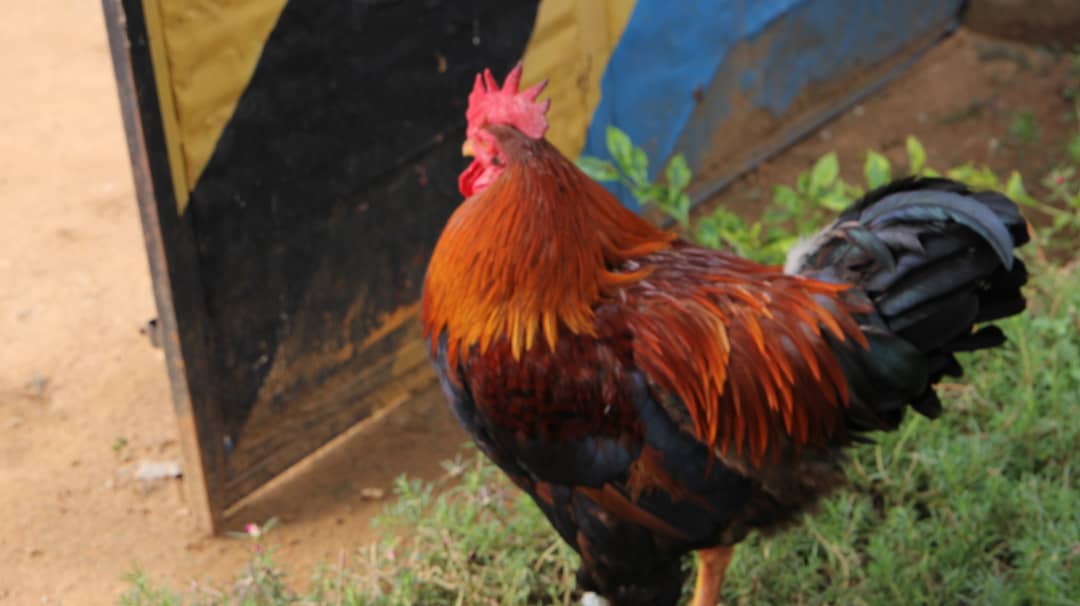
{"points": [[466, 148]]}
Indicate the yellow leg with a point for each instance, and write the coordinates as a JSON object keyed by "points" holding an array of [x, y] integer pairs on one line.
{"points": [[712, 564]]}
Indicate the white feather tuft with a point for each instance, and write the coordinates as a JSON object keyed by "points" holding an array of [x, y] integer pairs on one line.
{"points": [[592, 599], [796, 256]]}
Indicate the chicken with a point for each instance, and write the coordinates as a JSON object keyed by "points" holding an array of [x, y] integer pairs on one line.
{"points": [[657, 399]]}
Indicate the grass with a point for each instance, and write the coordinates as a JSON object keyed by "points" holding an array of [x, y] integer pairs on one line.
{"points": [[979, 507]]}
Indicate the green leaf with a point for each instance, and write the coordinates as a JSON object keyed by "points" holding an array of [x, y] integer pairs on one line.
{"points": [[723, 227], [600, 170], [976, 178], [651, 194], [877, 170], [1014, 188], [802, 182], [824, 173], [639, 166], [681, 210], [851, 190], [961, 173], [678, 173], [621, 149], [784, 244], [834, 201], [916, 155], [707, 234], [786, 198], [755, 232]]}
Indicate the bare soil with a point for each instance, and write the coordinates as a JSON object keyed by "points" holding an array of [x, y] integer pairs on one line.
{"points": [[960, 100], [83, 395], [77, 377]]}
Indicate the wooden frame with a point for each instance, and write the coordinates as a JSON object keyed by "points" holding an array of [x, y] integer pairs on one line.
{"points": [[171, 252]]}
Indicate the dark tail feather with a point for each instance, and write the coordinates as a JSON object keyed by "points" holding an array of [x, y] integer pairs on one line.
{"points": [[935, 259]]}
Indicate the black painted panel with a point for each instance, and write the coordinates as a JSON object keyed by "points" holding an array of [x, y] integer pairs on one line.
{"points": [[327, 190]]}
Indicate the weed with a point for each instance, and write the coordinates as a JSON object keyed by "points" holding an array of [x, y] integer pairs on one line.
{"points": [[631, 168]]}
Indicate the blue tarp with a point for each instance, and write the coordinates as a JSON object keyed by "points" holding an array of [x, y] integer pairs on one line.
{"points": [[671, 53]]}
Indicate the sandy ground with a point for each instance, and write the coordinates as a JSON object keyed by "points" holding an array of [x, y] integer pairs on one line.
{"points": [[78, 379]]}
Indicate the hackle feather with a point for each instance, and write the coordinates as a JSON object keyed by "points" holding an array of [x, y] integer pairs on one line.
{"points": [[531, 254]]}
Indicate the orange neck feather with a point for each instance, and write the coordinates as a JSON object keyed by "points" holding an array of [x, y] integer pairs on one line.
{"points": [[533, 252]]}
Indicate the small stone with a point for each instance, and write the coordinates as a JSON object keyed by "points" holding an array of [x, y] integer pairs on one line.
{"points": [[37, 385], [152, 329], [372, 494], [150, 471]]}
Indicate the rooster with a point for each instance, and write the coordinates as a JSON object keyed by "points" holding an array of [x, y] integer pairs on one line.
{"points": [[657, 399]]}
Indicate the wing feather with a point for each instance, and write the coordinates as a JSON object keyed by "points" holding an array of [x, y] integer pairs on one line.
{"points": [[748, 350]]}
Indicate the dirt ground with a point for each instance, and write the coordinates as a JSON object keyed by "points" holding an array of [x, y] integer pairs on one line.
{"points": [[77, 377], [960, 100], [83, 395]]}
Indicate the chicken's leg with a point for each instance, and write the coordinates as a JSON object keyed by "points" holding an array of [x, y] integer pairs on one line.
{"points": [[712, 564]]}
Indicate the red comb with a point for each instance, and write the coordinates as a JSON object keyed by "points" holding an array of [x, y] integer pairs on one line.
{"points": [[491, 104]]}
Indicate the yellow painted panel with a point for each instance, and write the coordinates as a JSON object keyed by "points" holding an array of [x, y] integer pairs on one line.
{"points": [[570, 46], [209, 51], [163, 83]]}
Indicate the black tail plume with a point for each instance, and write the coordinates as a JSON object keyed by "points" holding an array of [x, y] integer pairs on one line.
{"points": [[936, 259]]}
